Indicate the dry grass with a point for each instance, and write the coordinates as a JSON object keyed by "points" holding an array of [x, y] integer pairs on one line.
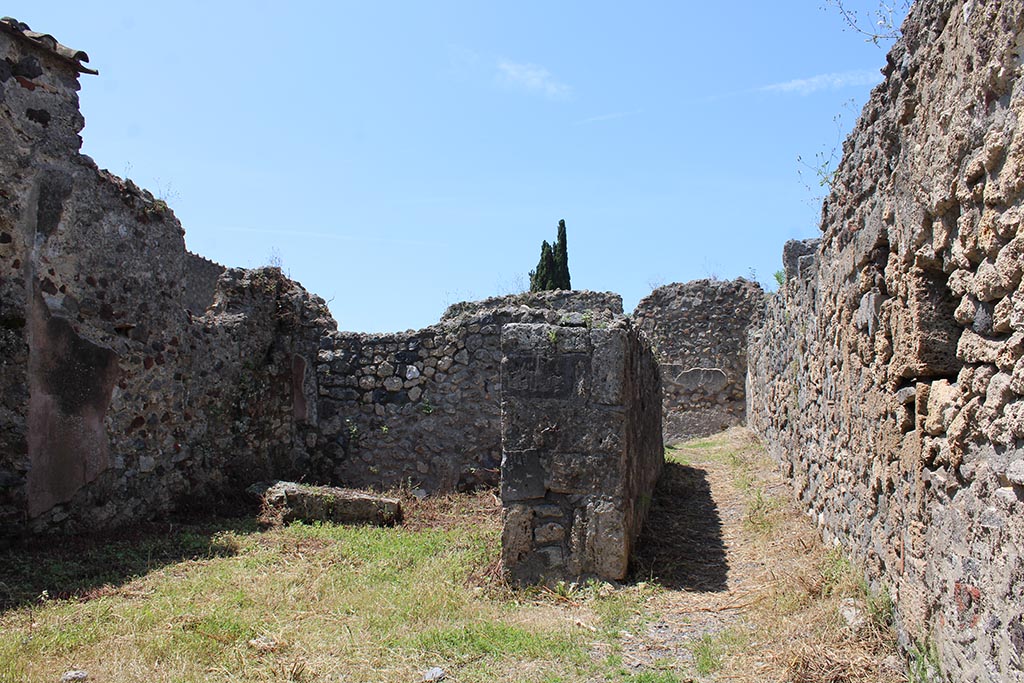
{"points": [[774, 613], [731, 583]]}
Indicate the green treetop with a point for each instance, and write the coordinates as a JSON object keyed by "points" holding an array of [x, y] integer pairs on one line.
{"points": [[552, 271]]}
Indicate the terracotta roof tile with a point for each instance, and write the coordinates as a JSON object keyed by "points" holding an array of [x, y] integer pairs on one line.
{"points": [[46, 42]]}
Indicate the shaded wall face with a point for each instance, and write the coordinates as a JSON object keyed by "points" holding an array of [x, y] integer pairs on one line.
{"points": [[419, 410], [71, 381], [886, 376], [39, 108], [582, 448], [699, 333]]}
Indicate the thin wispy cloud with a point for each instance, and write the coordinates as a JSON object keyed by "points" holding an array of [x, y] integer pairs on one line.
{"points": [[608, 117], [533, 78], [831, 81]]}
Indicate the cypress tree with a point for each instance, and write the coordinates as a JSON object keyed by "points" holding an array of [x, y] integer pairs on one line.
{"points": [[560, 280], [552, 271], [542, 278]]}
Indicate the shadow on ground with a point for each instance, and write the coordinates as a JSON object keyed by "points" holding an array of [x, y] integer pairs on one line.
{"points": [[83, 567], [681, 544]]}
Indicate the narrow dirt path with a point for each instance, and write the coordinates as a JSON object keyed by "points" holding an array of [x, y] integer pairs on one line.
{"points": [[750, 591]]}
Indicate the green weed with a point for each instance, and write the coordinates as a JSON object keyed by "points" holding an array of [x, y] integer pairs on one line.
{"points": [[710, 652], [924, 666]]}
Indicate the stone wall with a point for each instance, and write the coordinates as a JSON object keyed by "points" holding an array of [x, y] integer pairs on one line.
{"points": [[118, 402], [582, 447], [139, 378], [699, 333], [201, 275], [887, 377], [422, 408]]}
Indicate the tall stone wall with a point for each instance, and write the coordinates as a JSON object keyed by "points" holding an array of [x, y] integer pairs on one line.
{"points": [[699, 332], [582, 447], [887, 377]]}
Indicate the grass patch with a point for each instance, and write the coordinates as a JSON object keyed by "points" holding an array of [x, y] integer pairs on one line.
{"points": [[82, 568], [711, 651], [492, 639], [677, 454], [223, 601]]}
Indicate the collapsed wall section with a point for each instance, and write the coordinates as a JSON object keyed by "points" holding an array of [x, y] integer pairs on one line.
{"points": [[581, 447], [887, 376], [699, 333]]}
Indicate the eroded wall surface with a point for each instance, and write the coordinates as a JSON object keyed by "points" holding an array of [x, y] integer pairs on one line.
{"points": [[582, 447], [887, 377], [699, 332]]}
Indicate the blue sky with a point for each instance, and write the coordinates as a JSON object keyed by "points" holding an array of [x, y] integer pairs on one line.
{"points": [[396, 157]]}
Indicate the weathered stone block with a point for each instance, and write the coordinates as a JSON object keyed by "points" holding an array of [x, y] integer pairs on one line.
{"points": [[926, 330], [285, 502], [793, 251], [525, 478]]}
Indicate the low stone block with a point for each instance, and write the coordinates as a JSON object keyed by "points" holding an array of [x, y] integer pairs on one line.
{"points": [[284, 502]]}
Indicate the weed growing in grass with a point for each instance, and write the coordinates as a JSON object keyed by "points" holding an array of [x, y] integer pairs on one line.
{"points": [[880, 608], [838, 576], [924, 662], [762, 511], [617, 672], [710, 652]]}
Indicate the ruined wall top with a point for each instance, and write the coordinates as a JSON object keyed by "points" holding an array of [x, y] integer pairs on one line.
{"points": [[600, 304]]}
